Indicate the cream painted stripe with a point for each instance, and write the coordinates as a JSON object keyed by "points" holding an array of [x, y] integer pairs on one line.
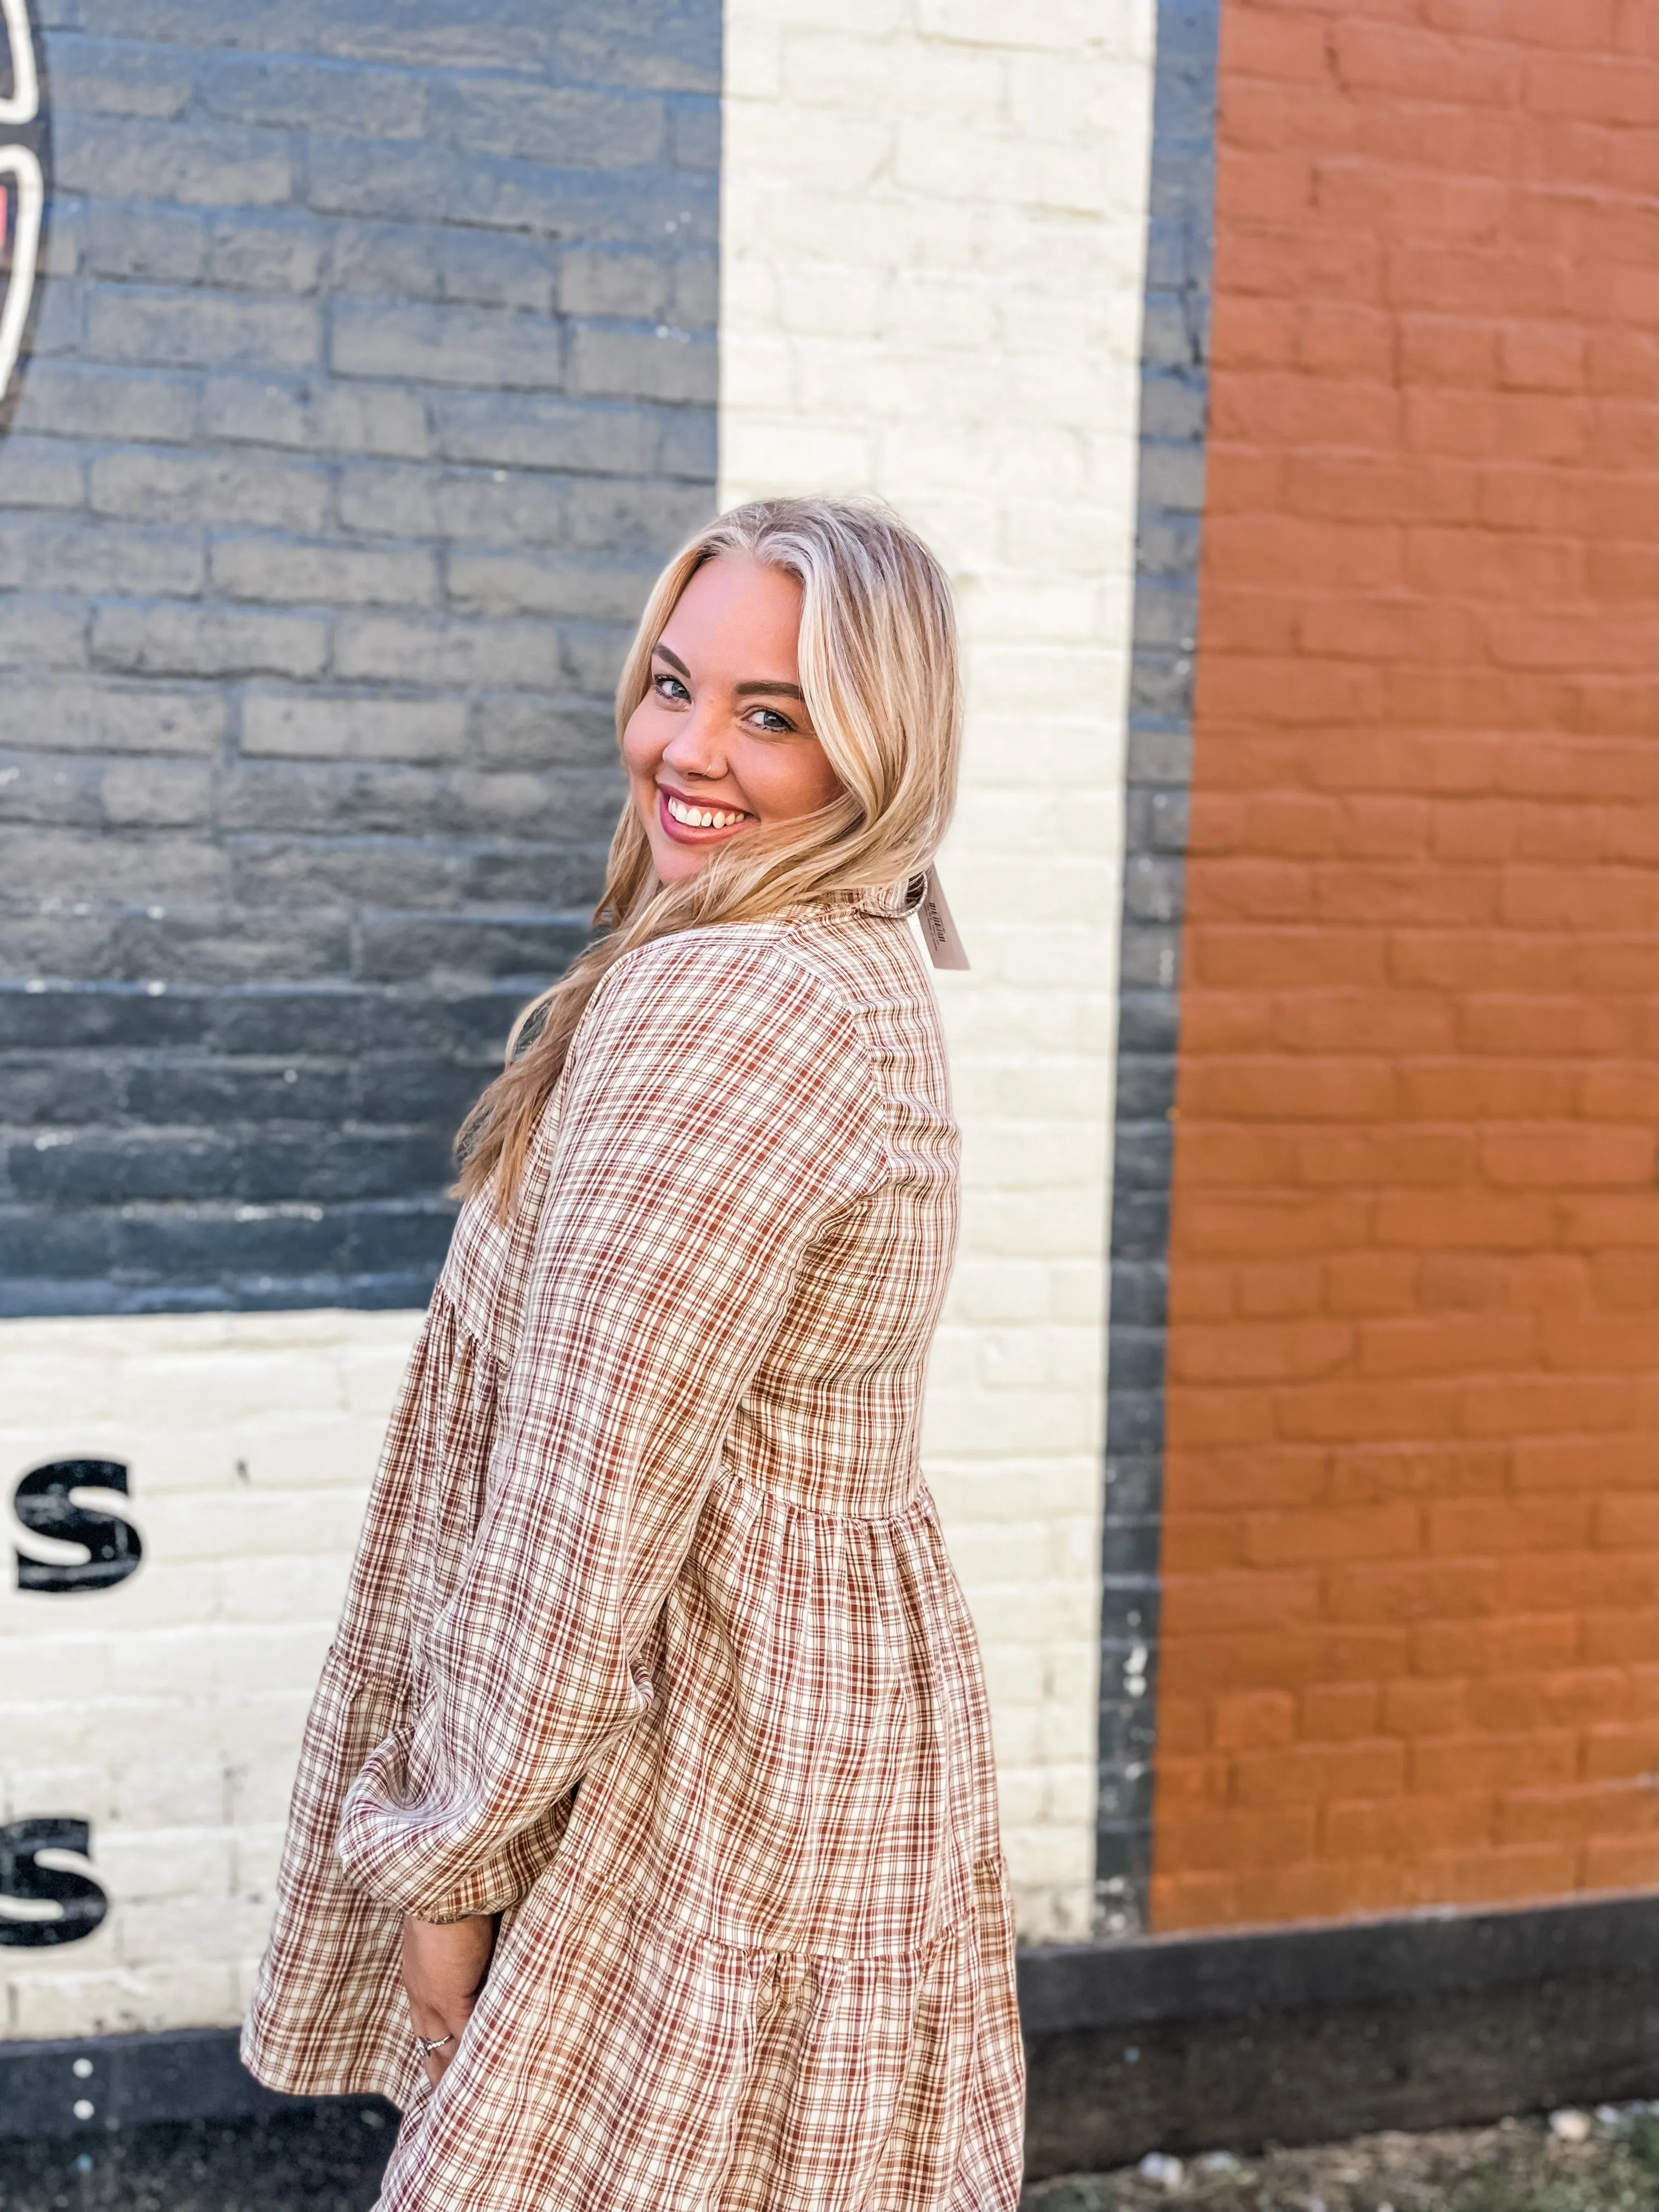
{"points": [[167, 1711], [934, 218]]}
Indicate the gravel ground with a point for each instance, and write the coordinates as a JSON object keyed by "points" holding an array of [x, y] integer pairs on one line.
{"points": [[1602, 2161], [1605, 2162]]}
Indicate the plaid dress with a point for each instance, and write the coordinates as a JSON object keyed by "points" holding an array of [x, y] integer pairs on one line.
{"points": [[650, 1520]]}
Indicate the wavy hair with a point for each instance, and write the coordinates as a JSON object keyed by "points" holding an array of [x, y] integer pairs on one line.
{"points": [[880, 669]]}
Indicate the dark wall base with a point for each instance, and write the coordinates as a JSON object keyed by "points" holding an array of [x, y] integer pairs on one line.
{"points": [[133, 2080], [1305, 2035], [1182, 2044]]}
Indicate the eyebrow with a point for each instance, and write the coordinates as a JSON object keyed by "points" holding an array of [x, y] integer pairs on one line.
{"points": [[751, 690], [754, 690]]}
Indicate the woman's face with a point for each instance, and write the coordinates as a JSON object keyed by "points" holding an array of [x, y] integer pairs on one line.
{"points": [[720, 744]]}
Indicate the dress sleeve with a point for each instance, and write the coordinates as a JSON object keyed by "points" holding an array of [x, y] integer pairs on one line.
{"points": [[719, 1113]]}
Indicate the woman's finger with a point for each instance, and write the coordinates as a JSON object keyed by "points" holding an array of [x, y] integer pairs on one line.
{"points": [[444, 1969], [444, 2033]]}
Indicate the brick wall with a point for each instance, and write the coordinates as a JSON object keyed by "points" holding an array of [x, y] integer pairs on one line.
{"points": [[933, 221], [374, 377], [1412, 1531], [374, 380]]}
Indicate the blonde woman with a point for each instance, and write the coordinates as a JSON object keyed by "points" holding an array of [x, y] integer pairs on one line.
{"points": [[644, 1849]]}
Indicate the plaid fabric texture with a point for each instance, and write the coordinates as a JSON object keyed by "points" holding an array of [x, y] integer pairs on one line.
{"points": [[650, 1519]]}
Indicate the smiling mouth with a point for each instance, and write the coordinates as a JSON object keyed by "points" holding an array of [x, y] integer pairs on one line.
{"points": [[680, 814]]}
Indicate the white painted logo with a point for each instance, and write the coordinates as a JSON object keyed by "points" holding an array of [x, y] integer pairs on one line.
{"points": [[23, 187]]}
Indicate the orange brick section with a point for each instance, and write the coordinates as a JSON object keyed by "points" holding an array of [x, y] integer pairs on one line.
{"points": [[1411, 1624]]}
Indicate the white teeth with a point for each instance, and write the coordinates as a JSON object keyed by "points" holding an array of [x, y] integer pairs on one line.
{"points": [[700, 817]]}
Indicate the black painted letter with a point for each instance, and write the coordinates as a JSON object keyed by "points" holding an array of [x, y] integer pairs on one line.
{"points": [[42, 1505], [81, 1904]]}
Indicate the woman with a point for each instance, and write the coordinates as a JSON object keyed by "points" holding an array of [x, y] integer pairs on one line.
{"points": [[650, 1518]]}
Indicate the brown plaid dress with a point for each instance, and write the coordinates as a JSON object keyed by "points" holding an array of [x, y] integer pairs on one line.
{"points": [[650, 1520]]}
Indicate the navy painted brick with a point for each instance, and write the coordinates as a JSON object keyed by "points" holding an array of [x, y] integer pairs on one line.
{"points": [[373, 381], [223, 1148], [1173, 421]]}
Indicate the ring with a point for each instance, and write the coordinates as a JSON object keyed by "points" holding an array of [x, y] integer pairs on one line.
{"points": [[437, 2043]]}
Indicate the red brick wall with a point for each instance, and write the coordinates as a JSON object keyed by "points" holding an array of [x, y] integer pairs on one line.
{"points": [[1412, 1542]]}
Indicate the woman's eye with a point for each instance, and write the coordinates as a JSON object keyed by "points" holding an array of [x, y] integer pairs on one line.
{"points": [[773, 724], [670, 687]]}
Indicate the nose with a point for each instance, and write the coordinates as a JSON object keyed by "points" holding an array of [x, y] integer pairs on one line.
{"points": [[696, 748]]}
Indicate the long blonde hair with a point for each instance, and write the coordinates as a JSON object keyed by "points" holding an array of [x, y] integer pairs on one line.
{"points": [[880, 669]]}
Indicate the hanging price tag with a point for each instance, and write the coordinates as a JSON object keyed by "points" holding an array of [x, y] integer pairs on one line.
{"points": [[945, 947]]}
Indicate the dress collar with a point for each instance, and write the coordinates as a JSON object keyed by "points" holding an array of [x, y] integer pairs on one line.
{"points": [[900, 898], [890, 900]]}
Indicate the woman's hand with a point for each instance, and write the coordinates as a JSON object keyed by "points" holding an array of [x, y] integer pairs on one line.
{"points": [[443, 1972]]}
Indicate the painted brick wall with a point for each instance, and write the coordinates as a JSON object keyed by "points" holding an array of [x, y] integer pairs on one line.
{"points": [[934, 216], [974, 297], [374, 378], [1413, 1533]]}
